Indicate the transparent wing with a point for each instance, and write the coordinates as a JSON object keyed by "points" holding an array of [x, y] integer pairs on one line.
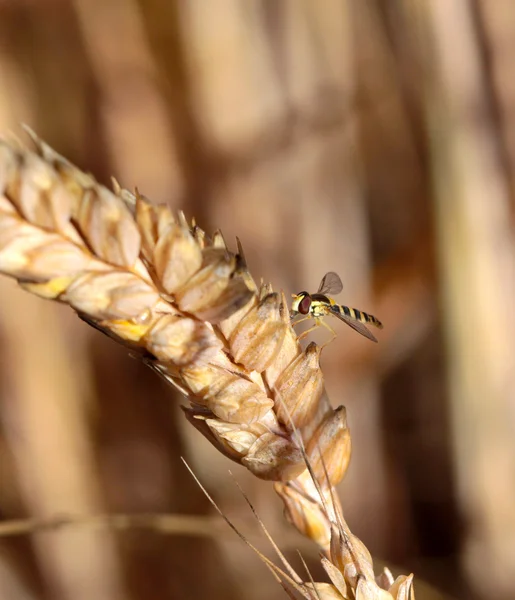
{"points": [[356, 325], [331, 284]]}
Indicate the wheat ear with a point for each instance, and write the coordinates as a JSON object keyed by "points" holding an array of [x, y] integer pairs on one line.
{"points": [[189, 307]]}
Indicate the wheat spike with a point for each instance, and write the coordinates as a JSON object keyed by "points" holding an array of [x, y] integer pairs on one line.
{"points": [[189, 307]]}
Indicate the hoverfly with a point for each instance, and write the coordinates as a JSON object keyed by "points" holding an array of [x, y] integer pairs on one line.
{"points": [[319, 305]]}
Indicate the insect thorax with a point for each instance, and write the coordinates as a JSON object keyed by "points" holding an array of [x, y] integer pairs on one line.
{"points": [[320, 307]]}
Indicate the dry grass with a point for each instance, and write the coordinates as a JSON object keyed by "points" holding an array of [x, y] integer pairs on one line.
{"points": [[187, 305]]}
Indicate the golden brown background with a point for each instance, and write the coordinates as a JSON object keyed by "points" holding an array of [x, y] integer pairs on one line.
{"points": [[370, 137]]}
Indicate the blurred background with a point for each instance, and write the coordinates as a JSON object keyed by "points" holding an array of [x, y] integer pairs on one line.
{"points": [[374, 138]]}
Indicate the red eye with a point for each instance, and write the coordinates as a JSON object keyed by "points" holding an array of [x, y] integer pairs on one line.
{"points": [[305, 305]]}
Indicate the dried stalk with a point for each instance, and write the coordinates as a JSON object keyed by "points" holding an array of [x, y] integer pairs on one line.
{"points": [[191, 310]]}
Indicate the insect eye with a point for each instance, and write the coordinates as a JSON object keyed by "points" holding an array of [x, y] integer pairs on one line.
{"points": [[305, 305]]}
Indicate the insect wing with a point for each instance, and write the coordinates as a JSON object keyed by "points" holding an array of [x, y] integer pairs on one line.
{"points": [[331, 284], [356, 325]]}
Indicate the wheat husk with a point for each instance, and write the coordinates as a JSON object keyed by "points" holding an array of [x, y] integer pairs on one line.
{"points": [[188, 306]]}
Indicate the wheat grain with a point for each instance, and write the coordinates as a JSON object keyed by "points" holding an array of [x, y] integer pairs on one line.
{"points": [[191, 309]]}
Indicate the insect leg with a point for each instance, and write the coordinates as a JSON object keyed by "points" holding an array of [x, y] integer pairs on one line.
{"points": [[305, 333], [318, 323], [301, 320], [329, 328]]}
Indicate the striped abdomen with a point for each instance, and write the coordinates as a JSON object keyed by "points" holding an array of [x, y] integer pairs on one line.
{"points": [[359, 315]]}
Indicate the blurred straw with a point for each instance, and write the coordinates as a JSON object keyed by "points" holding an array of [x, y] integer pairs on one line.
{"points": [[477, 259], [141, 149], [47, 430], [12, 586], [497, 45]]}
